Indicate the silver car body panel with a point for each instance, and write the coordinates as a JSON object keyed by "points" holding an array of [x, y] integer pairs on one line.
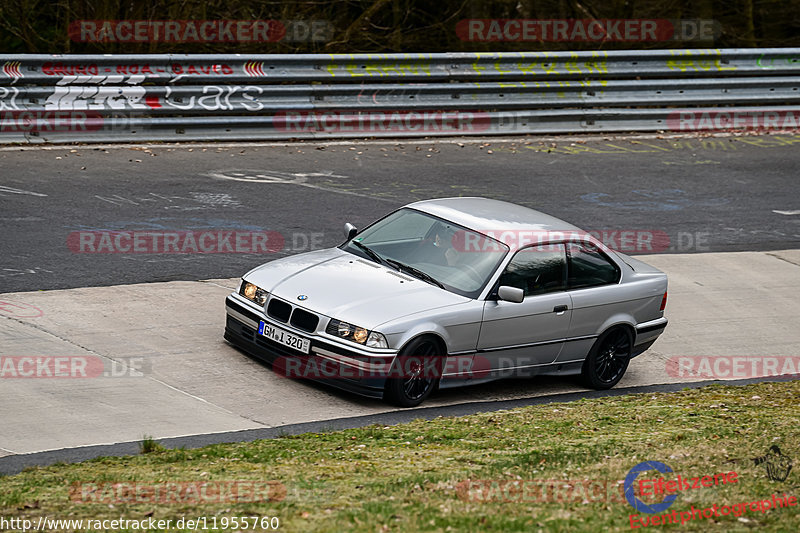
{"points": [[524, 334], [346, 287], [531, 335]]}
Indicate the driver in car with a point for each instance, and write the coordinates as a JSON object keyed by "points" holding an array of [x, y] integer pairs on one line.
{"points": [[439, 250]]}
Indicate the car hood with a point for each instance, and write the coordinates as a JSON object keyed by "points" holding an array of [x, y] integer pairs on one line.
{"points": [[345, 286]]}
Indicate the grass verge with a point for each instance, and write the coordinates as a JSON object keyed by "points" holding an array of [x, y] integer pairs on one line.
{"points": [[555, 467]]}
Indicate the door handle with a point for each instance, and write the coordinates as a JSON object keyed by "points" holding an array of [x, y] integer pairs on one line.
{"points": [[560, 308]]}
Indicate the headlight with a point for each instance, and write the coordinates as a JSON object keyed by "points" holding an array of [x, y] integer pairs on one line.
{"points": [[360, 335], [356, 334], [253, 292]]}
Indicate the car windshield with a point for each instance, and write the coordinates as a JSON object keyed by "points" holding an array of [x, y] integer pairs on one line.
{"points": [[432, 249]]}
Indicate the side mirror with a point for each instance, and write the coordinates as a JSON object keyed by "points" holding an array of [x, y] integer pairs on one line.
{"points": [[511, 294], [350, 231]]}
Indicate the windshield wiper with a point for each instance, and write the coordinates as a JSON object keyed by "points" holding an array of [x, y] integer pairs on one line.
{"points": [[417, 273], [369, 251]]}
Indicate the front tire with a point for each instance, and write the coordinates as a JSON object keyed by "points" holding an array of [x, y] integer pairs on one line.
{"points": [[415, 373], [608, 359]]}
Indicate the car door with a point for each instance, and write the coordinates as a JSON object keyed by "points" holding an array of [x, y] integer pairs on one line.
{"points": [[531, 332], [592, 282]]}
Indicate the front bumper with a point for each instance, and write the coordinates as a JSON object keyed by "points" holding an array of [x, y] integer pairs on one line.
{"points": [[338, 366]]}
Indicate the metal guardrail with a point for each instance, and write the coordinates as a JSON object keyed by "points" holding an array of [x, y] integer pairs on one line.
{"points": [[89, 98]]}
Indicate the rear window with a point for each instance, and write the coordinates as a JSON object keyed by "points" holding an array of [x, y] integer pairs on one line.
{"points": [[589, 267]]}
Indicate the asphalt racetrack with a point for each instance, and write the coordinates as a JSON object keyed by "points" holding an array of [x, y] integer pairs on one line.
{"points": [[706, 194], [720, 215]]}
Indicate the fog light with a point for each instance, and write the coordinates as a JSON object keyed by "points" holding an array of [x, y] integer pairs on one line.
{"points": [[376, 340]]}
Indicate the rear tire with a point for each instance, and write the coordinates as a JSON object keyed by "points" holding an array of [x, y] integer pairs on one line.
{"points": [[417, 368], [608, 359]]}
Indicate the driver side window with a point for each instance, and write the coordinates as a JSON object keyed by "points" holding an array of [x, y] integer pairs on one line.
{"points": [[537, 269]]}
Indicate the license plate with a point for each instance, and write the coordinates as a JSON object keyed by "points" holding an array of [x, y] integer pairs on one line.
{"points": [[281, 336]]}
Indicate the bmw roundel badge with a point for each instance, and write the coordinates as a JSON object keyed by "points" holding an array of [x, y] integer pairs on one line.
{"points": [[302, 297]]}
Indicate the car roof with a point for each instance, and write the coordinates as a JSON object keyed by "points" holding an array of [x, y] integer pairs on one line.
{"points": [[485, 215]]}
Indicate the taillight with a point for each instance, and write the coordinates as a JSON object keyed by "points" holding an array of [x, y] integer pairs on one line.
{"points": [[664, 301]]}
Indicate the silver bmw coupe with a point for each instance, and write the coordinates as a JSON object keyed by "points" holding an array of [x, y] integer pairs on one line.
{"points": [[450, 292]]}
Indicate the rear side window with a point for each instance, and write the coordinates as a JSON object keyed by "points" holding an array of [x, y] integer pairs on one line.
{"points": [[588, 267], [537, 269]]}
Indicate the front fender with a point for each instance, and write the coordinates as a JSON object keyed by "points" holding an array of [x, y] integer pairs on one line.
{"points": [[458, 327], [399, 340]]}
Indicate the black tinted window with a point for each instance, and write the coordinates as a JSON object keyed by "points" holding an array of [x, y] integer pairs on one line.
{"points": [[537, 269], [588, 267]]}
